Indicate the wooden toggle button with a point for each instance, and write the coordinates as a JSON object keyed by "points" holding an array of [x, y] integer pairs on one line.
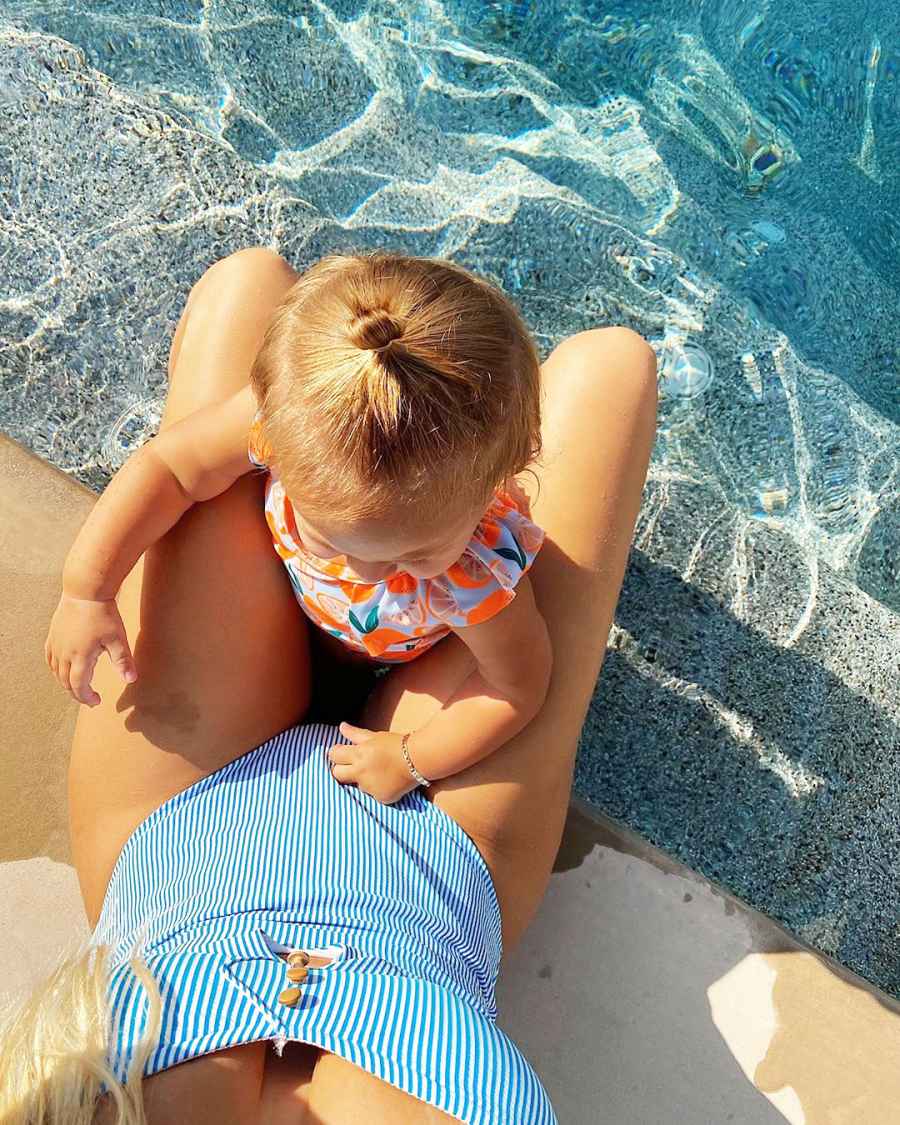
{"points": [[289, 997]]}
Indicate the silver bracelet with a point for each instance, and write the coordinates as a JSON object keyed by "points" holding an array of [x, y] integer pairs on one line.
{"points": [[404, 746]]}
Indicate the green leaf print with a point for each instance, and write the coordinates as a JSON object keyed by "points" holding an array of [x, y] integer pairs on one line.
{"points": [[517, 556], [371, 621]]}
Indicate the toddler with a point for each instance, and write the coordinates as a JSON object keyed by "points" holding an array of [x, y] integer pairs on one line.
{"points": [[392, 403]]}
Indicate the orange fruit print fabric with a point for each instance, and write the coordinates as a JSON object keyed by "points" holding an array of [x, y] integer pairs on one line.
{"points": [[401, 617]]}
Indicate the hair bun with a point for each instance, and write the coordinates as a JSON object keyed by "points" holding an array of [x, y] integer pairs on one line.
{"points": [[375, 329]]}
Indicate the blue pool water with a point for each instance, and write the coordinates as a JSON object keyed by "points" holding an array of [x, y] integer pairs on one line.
{"points": [[722, 175]]}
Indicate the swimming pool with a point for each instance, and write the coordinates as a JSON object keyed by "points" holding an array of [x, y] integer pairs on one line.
{"points": [[721, 175]]}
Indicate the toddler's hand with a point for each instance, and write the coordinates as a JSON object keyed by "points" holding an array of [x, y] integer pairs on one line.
{"points": [[80, 630], [374, 763]]}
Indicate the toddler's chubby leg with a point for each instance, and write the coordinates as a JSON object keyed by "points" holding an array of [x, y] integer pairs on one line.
{"points": [[220, 645]]}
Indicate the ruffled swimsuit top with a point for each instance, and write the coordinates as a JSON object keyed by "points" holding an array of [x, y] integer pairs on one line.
{"points": [[400, 617]]}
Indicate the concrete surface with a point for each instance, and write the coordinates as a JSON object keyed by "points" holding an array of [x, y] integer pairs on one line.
{"points": [[40, 512], [642, 994], [646, 996]]}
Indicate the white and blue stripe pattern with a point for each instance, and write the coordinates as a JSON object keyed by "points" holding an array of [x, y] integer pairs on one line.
{"points": [[271, 853]]}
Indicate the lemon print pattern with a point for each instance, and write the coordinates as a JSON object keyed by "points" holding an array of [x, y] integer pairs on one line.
{"points": [[401, 617]]}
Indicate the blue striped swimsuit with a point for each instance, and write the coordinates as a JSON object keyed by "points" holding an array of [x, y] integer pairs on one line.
{"points": [[270, 854]]}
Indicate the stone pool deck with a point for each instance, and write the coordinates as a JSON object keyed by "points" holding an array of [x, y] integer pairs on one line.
{"points": [[642, 994]]}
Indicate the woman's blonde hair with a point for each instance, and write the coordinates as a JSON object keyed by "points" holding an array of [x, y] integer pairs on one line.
{"points": [[54, 1068], [386, 380]]}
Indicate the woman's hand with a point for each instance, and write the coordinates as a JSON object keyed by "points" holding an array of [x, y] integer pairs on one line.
{"points": [[80, 630], [374, 762]]}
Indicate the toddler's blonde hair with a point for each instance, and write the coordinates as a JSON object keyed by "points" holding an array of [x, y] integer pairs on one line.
{"points": [[387, 380], [54, 1068]]}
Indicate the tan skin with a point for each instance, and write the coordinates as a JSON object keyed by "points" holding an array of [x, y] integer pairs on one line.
{"points": [[223, 658], [199, 458]]}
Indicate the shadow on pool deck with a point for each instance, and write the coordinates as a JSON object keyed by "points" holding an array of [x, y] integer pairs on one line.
{"points": [[755, 763], [646, 996], [642, 994]]}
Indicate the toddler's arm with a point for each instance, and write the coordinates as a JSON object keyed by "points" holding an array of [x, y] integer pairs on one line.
{"points": [[193, 460], [513, 660], [507, 689]]}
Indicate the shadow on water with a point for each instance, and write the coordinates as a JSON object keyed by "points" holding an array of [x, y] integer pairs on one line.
{"points": [[752, 763]]}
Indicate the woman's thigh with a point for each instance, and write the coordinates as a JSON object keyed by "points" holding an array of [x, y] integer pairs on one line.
{"points": [[220, 646], [251, 1085], [343, 1094], [598, 430]]}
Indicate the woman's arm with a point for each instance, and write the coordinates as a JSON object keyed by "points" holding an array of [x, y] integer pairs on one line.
{"points": [[193, 460], [505, 691]]}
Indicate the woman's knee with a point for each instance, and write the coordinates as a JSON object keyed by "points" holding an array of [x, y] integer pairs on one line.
{"points": [[222, 327], [599, 426], [604, 367], [244, 267]]}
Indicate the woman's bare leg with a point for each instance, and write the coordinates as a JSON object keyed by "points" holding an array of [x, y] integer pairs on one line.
{"points": [[212, 685], [223, 664], [220, 645], [599, 424], [344, 1094]]}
